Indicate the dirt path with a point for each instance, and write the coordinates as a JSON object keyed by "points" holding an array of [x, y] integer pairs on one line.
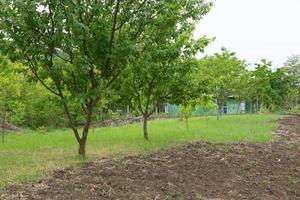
{"points": [[192, 171]]}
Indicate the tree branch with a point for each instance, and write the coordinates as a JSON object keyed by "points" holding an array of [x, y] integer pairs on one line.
{"points": [[140, 104], [112, 36], [112, 80], [31, 67], [126, 19]]}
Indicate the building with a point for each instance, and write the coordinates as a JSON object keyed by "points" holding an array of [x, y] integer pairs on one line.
{"points": [[232, 107]]}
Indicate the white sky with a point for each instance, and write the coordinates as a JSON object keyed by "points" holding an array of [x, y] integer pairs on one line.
{"points": [[254, 29]]}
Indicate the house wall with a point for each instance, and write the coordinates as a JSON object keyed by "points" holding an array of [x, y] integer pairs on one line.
{"points": [[233, 107]]}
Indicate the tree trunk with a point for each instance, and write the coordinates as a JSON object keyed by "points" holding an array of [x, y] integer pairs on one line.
{"points": [[145, 126], [222, 109], [86, 128], [186, 123], [3, 127], [4, 117], [238, 108], [257, 104], [206, 117], [81, 150], [82, 141]]}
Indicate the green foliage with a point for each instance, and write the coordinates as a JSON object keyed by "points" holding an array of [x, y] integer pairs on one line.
{"points": [[78, 49], [224, 75], [206, 104], [37, 107], [264, 110], [292, 67], [262, 90], [291, 179], [9, 89], [164, 57], [28, 103], [186, 110], [296, 109], [220, 75], [9, 80], [271, 90]]}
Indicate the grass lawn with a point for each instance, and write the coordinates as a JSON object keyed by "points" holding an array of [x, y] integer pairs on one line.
{"points": [[29, 155]]}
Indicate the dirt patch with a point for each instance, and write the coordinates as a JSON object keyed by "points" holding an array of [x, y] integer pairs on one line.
{"points": [[8, 127], [124, 121], [192, 171]]}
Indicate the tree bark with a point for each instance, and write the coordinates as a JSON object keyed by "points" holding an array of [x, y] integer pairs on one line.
{"points": [[257, 109], [238, 108], [145, 127], [4, 116], [86, 127], [222, 109], [186, 123], [3, 127], [81, 150], [146, 112]]}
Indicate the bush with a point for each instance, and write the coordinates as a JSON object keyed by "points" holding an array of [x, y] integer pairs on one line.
{"points": [[296, 109], [264, 110]]}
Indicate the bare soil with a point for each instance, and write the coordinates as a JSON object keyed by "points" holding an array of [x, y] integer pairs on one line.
{"points": [[8, 127], [192, 171]]}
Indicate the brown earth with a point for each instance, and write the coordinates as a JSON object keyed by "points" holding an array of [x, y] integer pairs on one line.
{"points": [[8, 127], [192, 171]]}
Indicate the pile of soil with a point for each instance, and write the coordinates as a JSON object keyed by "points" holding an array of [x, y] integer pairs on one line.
{"points": [[8, 127], [117, 122], [124, 121], [192, 171]]}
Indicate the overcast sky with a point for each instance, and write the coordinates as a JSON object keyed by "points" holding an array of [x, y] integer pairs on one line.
{"points": [[254, 29]]}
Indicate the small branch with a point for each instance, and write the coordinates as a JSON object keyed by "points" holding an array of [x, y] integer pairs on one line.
{"points": [[124, 22], [140, 104], [112, 36], [86, 127], [139, 32], [31, 66], [64, 59], [112, 80], [67, 111], [83, 108]]}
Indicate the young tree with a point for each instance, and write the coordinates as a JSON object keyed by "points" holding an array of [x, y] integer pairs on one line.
{"points": [[243, 89], [284, 91], [164, 57], [221, 74], [260, 81], [292, 66], [186, 111], [205, 102], [9, 87], [77, 49], [272, 90]]}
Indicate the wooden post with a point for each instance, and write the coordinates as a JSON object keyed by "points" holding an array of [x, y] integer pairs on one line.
{"points": [[4, 116]]}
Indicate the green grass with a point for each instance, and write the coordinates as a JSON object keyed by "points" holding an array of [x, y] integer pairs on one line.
{"points": [[29, 155]]}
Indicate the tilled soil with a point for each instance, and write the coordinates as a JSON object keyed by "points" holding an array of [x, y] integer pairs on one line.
{"points": [[192, 171]]}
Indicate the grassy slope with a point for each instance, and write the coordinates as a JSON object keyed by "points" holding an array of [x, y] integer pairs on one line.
{"points": [[28, 156]]}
